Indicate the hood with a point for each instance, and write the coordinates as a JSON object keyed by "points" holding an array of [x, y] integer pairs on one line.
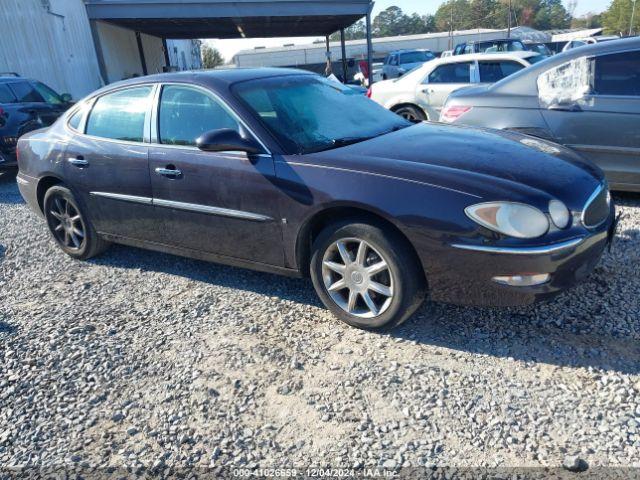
{"points": [[491, 164]]}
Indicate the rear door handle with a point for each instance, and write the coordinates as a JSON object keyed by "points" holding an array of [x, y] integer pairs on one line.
{"points": [[78, 161], [168, 172]]}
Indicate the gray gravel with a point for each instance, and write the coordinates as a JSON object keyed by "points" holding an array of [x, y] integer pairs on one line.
{"points": [[149, 361]]}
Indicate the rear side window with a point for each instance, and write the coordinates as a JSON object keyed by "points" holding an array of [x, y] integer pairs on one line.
{"points": [[76, 118], [186, 113], [492, 71], [49, 95], [451, 73], [618, 74], [25, 93], [120, 115], [6, 95]]}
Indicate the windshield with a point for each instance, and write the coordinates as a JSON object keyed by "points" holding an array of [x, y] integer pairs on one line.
{"points": [[308, 113], [540, 48], [536, 59], [512, 46], [49, 95], [416, 57]]}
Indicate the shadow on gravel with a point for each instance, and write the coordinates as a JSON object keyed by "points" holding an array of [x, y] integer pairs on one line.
{"points": [[6, 328], [9, 193], [294, 289]]}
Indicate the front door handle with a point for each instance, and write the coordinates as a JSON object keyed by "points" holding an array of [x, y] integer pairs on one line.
{"points": [[78, 161], [169, 172]]}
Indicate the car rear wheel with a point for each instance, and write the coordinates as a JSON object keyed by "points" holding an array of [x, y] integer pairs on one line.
{"points": [[70, 227], [411, 113], [367, 275]]}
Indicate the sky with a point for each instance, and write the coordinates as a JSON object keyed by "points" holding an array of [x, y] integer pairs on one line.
{"points": [[228, 48]]}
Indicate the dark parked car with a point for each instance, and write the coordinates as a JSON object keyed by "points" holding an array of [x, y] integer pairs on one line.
{"points": [[587, 98], [287, 172], [25, 105], [490, 46]]}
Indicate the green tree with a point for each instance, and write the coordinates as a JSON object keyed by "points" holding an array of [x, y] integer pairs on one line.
{"points": [[458, 11], [390, 22], [211, 57], [551, 14], [357, 31], [617, 18], [589, 20]]}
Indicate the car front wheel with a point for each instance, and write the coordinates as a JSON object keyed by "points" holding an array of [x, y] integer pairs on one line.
{"points": [[411, 113], [367, 275], [69, 225]]}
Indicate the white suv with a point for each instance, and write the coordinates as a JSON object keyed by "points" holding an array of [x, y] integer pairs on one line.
{"points": [[420, 94]]}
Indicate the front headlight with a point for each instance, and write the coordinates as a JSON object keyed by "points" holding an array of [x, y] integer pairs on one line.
{"points": [[509, 218], [559, 213]]}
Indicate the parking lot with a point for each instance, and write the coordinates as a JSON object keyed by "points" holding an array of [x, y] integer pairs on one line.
{"points": [[151, 361]]}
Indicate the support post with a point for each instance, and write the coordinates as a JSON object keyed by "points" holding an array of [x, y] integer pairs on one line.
{"points": [[143, 61], [509, 21], [344, 56], [369, 49], [328, 69], [167, 59], [95, 34]]}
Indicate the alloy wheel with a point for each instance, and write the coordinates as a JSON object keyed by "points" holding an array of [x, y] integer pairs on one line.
{"points": [[66, 223], [357, 278]]}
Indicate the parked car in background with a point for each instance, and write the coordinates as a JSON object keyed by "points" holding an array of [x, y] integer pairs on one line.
{"points": [[420, 94], [288, 172], [400, 62], [581, 42], [25, 105], [587, 98], [446, 53], [490, 46], [538, 47]]}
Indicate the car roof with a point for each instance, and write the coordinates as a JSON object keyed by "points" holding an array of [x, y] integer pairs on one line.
{"points": [[407, 50], [216, 77], [486, 56], [520, 81], [503, 40]]}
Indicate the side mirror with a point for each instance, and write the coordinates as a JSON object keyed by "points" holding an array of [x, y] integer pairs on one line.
{"points": [[66, 98], [226, 140]]}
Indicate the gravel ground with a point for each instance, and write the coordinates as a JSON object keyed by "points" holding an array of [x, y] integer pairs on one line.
{"points": [[148, 361]]}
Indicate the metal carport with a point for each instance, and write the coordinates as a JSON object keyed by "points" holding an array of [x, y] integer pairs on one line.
{"points": [[224, 19]]}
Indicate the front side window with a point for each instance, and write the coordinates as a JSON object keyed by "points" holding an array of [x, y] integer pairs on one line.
{"points": [[493, 71], [186, 113], [120, 115], [49, 95], [618, 74], [307, 113], [25, 93], [451, 73]]}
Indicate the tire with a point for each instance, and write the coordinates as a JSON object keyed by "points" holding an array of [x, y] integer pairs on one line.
{"points": [[70, 226], [411, 113], [396, 292]]}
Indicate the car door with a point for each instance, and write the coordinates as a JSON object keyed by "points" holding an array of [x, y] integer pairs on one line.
{"points": [[106, 162], [437, 85], [224, 203], [604, 125]]}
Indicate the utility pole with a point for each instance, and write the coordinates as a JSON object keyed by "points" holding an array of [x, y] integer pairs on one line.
{"points": [[509, 21], [451, 28], [633, 12]]}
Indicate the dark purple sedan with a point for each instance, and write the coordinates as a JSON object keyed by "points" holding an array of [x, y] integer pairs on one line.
{"points": [[287, 172]]}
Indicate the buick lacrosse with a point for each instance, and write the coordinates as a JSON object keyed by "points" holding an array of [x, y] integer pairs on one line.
{"points": [[287, 172]]}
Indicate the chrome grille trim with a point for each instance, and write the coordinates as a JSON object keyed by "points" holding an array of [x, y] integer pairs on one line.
{"points": [[590, 200]]}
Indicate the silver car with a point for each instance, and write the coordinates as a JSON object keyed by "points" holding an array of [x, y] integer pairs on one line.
{"points": [[587, 98], [400, 62]]}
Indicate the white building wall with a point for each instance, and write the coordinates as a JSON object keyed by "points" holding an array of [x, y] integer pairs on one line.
{"points": [[299, 55], [49, 40], [121, 56]]}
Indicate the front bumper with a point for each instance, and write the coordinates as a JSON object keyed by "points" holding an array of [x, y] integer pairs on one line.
{"points": [[28, 187], [7, 160], [468, 278]]}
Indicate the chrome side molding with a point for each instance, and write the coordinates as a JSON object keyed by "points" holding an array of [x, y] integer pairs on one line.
{"points": [[189, 207], [124, 198], [543, 250]]}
